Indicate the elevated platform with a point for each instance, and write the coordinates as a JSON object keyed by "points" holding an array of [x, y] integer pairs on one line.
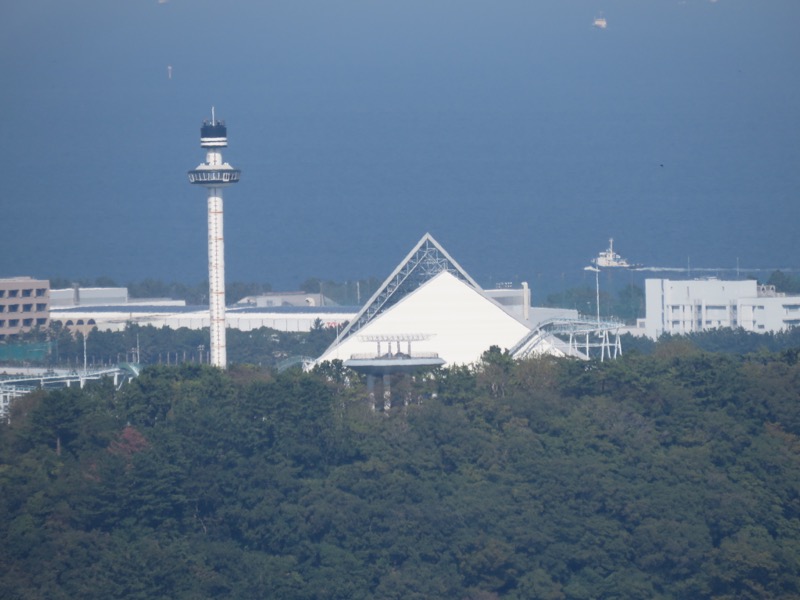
{"points": [[392, 364], [217, 177]]}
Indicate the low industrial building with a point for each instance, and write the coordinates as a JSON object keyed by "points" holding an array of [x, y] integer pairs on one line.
{"points": [[81, 309], [274, 299], [111, 309], [92, 296], [282, 318]]}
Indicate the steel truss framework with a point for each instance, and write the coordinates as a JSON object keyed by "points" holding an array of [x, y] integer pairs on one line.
{"points": [[422, 264], [580, 338]]}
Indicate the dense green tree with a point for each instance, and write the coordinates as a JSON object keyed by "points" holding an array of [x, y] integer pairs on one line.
{"points": [[784, 282], [630, 304], [667, 475], [582, 299], [319, 338]]}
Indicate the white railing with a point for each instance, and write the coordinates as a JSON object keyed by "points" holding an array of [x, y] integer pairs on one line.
{"points": [[396, 356]]}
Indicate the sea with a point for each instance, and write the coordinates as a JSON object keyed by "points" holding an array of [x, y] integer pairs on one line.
{"points": [[519, 134]]}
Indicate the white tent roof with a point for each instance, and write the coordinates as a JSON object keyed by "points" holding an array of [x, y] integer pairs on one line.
{"points": [[456, 320]]}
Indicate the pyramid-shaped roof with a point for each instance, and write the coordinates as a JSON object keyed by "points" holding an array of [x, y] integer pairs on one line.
{"points": [[445, 316], [431, 296], [424, 262]]}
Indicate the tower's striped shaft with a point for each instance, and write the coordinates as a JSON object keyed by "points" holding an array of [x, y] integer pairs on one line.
{"points": [[216, 278]]}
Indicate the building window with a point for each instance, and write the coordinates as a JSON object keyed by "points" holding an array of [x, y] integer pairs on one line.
{"points": [[2, 293], [27, 307], [27, 322], [41, 307], [40, 292], [2, 322], [13, 308], [27, 293], [2, 308], [13, 323], [41, 321]]}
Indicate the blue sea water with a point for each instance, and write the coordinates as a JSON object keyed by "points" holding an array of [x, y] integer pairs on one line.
{"points": [[518, 134]]}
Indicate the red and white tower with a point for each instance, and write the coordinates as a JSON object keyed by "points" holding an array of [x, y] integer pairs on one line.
{"points": [[215, 175]]}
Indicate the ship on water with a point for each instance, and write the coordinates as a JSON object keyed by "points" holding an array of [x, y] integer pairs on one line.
{"points": [[610, 259]]}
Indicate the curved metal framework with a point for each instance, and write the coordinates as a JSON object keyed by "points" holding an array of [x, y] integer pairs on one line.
{"points": [[582, 338], [15, 387]]}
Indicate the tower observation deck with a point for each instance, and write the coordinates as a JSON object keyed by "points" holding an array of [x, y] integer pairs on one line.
{"points": [[214, 174]]}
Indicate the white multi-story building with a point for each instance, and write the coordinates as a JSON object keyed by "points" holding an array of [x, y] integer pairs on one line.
{"points": [[769, 313], [682, 307]]}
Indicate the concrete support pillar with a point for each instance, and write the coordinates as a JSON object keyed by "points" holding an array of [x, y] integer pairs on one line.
{"points": [[371, 390], [387, 392]]}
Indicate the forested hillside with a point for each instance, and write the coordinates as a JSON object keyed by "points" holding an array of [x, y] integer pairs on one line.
{"points": [[672, 475]]}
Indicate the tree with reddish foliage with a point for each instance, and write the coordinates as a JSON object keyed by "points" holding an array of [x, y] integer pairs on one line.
{"points": [[129, 442]]}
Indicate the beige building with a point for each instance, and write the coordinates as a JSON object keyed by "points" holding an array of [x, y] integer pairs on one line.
{"points": [[24, 305]]}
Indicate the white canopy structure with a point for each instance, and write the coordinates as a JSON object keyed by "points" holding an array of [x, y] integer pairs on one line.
{"points": [[430, 296]]}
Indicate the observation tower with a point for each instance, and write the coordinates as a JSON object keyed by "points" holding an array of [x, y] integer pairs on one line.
{"points": [[215, 175]]}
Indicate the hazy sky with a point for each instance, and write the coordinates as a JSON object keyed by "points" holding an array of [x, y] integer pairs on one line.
{"points": [[518, 134]]}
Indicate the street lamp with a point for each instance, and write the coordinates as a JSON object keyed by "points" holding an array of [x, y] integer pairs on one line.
{"points": [[596, 287]]}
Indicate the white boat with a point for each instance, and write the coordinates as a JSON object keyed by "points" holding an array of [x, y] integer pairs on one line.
{"points": [[600, 23], [610, 259]]}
